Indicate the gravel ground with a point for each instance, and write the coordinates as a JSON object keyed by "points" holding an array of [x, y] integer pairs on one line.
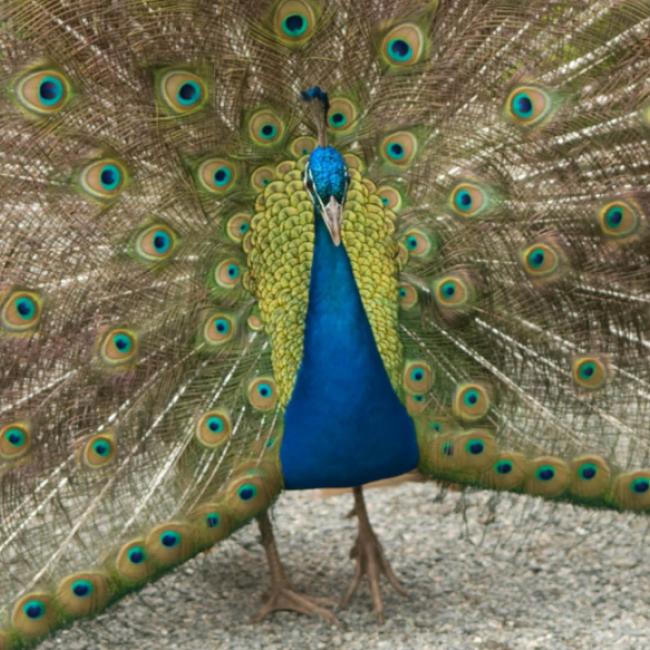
{"points": [[515, 574]]}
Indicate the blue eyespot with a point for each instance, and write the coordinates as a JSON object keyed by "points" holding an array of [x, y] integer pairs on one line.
{"points": [[338, 120], [471, 397], [247, 492], [448, 289], [162, 241], [411, 242], [294, 25], [475, 447], [102, 447], [522, 105], [233, 271], [400, 50], [536, 257], [110, 177], [545, 473], [216, 424], [587, 370], [396, 151], [463, 201], [82, 588], [170, 539], [222, 176], [614, 217], [50, 91], [15, 437], [123, 342], [417, 374], [136, 555], [503, 467], [222, 325], [588, 471], [212, 519], [268, 131], [265, 390], [34, 609], [26, 308], [189, 93], [244, 228], [640, 485]]}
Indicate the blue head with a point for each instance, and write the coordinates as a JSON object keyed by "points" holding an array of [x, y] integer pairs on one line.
{"points": [[326, 174]]}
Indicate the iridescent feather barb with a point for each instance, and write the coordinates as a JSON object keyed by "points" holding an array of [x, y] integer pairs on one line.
{"points": [[202, 304]]}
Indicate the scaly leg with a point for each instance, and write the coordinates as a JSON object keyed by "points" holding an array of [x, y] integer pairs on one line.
{"points": [[282, 595], [370, 560]]}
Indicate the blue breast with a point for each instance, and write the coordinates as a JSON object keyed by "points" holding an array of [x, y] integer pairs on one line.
{"points": [[344, 425]]}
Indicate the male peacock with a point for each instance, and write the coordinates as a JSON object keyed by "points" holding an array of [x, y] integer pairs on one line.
{"points": [[208, 295]]}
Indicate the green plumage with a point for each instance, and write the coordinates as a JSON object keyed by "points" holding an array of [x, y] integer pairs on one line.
{"points": [[157, 238]]}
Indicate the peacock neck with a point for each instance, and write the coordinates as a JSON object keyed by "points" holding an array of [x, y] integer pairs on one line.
{"points": [[344, 424]]}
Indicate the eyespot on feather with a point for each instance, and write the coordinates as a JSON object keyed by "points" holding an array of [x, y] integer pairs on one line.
{"points": [[528, 105], [238, 225], [118, 347], [547, 476], [15, 440], [417, 377], [631, 490], [213, 428], [303, 145], [541, 260], [262, 393], [475, 450], [246, 495], [99, 450], [391, 197], [468, 200], [590, 477], [507, 472], [262, 177], [590, 372], [82, 594], [407, 296], [218, 175], [181, 92], [156, 243], [266, 128], [20, 311], [342, 116], [294, 22], [43, 92], [417, 242], [399, 149], [219, 328], [403, 46], [619, 220], [104, 179], [34, 614], [228, 273], [169, 543], [453, 291], [471, 401], [211, 522], [133, 563]]}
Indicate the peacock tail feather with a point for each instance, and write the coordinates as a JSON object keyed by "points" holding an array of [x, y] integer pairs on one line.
{"points": [[157, 240]]}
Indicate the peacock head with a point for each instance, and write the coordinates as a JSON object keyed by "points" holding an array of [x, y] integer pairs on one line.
{"points": [[326, 174], [327, 180]]}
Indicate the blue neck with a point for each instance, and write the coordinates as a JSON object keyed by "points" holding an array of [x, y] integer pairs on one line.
{"points": [[344, 425]]}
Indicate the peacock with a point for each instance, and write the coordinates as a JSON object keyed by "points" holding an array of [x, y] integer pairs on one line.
{"points": [[274, 245]]}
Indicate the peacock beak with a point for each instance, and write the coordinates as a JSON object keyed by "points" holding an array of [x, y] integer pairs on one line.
{"points": [[333, 217]]}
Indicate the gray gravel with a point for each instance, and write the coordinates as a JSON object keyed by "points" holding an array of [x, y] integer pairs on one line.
{"points": [[515, 574]]}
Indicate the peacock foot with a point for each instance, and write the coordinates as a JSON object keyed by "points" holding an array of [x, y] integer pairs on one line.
{"points": [[282, 596], [370, 561]]}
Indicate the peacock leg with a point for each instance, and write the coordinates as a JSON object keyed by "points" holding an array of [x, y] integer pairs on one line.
{"points": [[282, 595], [370, 560]]}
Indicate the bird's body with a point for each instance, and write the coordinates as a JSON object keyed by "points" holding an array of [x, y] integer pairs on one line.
{"points": [[209, 293], [344, 424]]}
